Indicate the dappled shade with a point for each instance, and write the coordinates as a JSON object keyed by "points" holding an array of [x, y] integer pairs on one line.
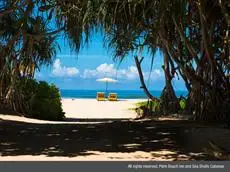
{"points": [[169, 140]]}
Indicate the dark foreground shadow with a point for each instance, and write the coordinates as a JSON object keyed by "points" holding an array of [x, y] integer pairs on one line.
{"points": [[18, 138]]}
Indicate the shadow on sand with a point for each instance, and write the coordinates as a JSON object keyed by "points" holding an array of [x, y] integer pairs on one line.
{"points": [[19, 138]]}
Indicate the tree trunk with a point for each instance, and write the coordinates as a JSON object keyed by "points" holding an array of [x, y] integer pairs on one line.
{"points": [[168, 99], [143, 86]]}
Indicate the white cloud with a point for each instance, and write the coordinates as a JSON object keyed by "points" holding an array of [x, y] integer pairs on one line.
{"points": [[108, 70], [101, 71], [60, 71], [130, 73]]}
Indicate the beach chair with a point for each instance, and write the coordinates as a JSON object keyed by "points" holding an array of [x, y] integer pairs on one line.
{"points": [[100, 96], [112, 97]]}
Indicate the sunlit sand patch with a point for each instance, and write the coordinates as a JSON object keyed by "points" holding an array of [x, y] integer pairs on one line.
{"points": [[23, 131], [151, 141], [163, 133], [167, 155], [150, 127], [37, 121], [11, 149], [55, 134], [7, 144], [163, 155], [196, 154], [129, 146]]}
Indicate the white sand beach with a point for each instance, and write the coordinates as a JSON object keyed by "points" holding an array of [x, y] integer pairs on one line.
{"points": [[91, 108], [87, 109]]}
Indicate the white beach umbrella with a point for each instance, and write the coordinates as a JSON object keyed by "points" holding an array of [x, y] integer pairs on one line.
{"points": [[107, 80]]}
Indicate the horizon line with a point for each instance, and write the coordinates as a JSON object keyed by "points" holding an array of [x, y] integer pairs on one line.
{"points": [[115, 89]]}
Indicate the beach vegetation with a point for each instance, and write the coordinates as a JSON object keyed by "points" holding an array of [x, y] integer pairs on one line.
{"points": [[45, 103], [182, 104], [154, 107], [40, 100], [26, 43]]}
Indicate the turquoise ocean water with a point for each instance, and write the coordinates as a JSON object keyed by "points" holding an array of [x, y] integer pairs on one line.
{"points": [[123, 94]]}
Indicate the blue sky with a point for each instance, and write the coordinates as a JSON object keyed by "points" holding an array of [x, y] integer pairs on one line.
{"points": [[72, 71]]}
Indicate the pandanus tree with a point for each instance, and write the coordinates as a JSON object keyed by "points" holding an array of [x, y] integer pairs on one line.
{"points": [[25, 45], [193, 35], [202, 54]]}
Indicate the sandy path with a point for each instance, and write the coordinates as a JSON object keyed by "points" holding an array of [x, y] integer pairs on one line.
{"points": [[90, 137], [118, 140]]}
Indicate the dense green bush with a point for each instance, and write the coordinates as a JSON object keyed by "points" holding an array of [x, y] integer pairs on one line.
{"points": [[44, 100]]}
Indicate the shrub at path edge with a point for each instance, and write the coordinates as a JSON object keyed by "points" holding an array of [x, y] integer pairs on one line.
{"points": [[44, 101]]}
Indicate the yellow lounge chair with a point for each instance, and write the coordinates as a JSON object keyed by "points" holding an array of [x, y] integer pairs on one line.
{"points": [[112, 97], [100, 96]]}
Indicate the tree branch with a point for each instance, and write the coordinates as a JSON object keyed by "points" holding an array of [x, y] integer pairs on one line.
{"points": [[143, 86]]}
